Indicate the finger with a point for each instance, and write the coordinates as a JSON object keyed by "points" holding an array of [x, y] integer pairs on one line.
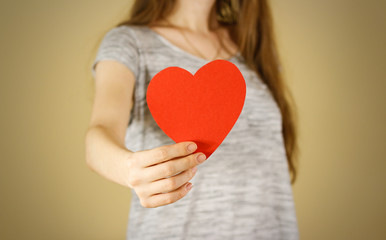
{"points": [[168, 184], [164, 153], [162, 199], [172, 167]]}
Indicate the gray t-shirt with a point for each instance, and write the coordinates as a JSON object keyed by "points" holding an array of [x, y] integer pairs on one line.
{"points": [[243, 190]]}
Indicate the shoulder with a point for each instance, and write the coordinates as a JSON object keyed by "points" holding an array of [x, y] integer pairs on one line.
{"points": [[121, 43], [121, 32], [133, 31], [129, 35]]}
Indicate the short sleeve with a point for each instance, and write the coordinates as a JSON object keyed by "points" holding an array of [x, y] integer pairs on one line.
{"points": [[119, 44]]}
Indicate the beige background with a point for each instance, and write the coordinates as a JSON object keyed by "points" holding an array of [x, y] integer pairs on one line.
{"points": [[334, 60]]}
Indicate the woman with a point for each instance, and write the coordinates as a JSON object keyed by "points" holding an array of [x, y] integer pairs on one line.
{"points": [[244, 190]]}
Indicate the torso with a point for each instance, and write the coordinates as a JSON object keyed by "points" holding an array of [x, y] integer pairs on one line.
{"points": [[243, 190]]}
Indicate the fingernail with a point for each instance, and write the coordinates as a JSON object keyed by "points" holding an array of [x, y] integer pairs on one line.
{"points": [[192, 147], [189, 186], [201, 158]]}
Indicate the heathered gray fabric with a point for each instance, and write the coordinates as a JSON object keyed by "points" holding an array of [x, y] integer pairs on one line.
{"points": [[243, 190]]}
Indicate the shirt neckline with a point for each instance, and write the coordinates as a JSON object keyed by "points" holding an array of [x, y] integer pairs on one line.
{"points": [[180, 50]]}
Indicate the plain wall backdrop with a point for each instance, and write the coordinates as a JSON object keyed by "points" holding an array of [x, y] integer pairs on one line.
{"points": [[333, 55]]}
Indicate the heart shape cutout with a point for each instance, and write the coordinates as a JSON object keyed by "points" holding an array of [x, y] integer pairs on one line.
{"points": [[202, 108]]}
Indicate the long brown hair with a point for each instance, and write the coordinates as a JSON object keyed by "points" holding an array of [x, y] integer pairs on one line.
{"points": [[253, 33]]}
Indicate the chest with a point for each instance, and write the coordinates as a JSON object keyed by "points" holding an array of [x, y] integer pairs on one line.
{"points": [[260, 114]]}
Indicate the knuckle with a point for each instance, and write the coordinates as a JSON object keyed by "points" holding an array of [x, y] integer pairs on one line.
{"points": [[162, 154], [183, 191], [170, 184], [129, 163], [145, 203], [169, 198], [131, 166], [191, 173], [193, 160], [140, 192], [180, 194], [169, 169], [133, 180], [132, 160]]}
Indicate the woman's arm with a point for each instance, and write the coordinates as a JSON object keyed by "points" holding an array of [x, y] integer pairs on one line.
{"points": [[159, 176], [104, 140]]}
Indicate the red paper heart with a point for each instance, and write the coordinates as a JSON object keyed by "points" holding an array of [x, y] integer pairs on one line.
{"points": [[202, 108]]}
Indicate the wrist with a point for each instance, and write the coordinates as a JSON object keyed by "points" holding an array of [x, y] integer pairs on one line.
{"points": [[122, 166]]}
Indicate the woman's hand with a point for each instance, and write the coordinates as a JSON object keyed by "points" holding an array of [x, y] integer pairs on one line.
{"points": [[160, 176]]}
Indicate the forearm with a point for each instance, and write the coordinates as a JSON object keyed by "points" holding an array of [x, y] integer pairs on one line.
{"points": [[105, 154]]}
